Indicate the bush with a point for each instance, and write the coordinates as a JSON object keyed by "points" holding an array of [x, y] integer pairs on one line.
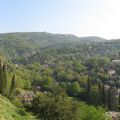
{"points": [[50, 107]]}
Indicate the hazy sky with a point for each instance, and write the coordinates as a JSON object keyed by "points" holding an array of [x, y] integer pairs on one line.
{"points": [[79, 17]]}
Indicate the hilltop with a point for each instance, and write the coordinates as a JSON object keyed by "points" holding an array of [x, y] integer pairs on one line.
{"points": [[25, 44]]}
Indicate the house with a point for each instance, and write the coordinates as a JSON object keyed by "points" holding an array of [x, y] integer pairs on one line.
{"points": [[106, 87], [36, 88], [45, 65], [111, 72], [101, 70], [115, 62], [114, 115], [49, 65], [26, 97], [118, 90]]}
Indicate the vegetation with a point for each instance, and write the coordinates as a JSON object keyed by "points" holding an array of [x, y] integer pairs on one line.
{"points": [[60, 107], [9, 111], [67, 77]]}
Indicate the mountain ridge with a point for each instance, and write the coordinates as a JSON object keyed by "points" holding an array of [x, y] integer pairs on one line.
{"points": [[23, 44], [55, 34]]}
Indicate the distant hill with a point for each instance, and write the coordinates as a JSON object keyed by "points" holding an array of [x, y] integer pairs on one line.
{"points": [[25, 44], [92, 39], [17, 44]]}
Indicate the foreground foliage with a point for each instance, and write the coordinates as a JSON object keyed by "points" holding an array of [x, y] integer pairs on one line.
{"points": [[49, 107], [8, 111], [60, 107]]}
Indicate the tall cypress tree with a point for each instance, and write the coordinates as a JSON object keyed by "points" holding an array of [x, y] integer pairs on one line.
{"points": [[13, 86], [100, 91], [112, 98], [1, 74], [103, 95], [3, 79], [88, 91]]}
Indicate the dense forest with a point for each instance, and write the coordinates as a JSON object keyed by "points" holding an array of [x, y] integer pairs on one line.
{"points": [[59, 76]]}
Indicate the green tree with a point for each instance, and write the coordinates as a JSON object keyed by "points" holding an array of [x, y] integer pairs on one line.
{"points": [[3, 79], [12, 87], [88, 112], [94, 95], [74, 89], [100, 92], [88, 90], [103, 97], [113, 98], [50, 107], [47, 82]]}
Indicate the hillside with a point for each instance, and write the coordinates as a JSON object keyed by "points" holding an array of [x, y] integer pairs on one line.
{"points": [[9, 112], [40, 46], [25, 44], [56, 65]]}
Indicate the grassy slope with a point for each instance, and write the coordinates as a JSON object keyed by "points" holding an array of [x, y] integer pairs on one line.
{"points": [[9, 112]]}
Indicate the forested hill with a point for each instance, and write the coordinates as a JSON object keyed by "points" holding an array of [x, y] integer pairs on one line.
{"points": [[14, 45], [52, 73]]}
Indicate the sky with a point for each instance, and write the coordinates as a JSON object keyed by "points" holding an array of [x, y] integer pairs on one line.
{"points": [[79, 17]]}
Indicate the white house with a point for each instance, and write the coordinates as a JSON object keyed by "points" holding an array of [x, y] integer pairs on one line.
{"points": [[111, 72]]}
